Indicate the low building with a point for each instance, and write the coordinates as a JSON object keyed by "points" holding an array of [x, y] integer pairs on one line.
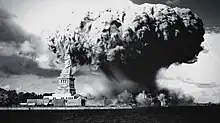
{"points": [[95, 102], [39, 102], [74, 102]]}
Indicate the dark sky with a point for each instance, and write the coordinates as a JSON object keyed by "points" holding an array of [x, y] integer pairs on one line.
{"points": [[14, 61], [208, 10]]}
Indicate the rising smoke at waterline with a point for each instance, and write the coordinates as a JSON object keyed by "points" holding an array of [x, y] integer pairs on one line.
{"points": [[137, 40]]}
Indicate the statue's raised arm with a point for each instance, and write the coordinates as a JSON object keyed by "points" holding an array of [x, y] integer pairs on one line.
{"points": [[62, 47]]}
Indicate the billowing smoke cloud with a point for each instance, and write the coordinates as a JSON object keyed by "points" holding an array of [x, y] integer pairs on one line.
{"points": [[201, 79], [206, 9], [137, 40]]}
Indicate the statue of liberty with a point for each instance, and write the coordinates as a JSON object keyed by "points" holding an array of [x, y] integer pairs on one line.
{"points": [[66, 79], [69, 67]]}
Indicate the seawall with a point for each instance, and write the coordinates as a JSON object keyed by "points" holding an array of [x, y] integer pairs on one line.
{"points": [[62, 108]]}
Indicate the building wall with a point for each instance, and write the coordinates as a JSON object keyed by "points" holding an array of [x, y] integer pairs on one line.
{"points": [[66, 102], [38, 102], [58, 102], [73, 102], [95, 103]]}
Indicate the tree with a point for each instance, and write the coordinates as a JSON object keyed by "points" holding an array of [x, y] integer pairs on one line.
{"points": [[143, 100], [125, 98], [21, 97], [12, 97], [3, 97], [181, 99], [90, 96]]}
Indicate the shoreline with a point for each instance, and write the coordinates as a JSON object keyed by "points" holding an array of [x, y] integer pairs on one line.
{"points": [[93, 108], [62, 108]]}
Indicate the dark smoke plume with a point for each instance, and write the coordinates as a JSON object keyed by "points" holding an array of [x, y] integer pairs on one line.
{"points": [[137, 40]]}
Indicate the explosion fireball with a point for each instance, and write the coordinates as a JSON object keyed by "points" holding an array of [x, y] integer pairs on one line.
{"points": [[138, 40]]}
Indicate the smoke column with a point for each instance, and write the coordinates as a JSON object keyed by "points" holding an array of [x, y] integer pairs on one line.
{"points": [[136, 40]]}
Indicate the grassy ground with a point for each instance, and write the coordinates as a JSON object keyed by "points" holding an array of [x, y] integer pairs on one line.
{"points": [[139, 115]]}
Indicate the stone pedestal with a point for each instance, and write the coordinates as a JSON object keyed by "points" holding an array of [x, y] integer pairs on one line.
{"points": [[66, 85]]}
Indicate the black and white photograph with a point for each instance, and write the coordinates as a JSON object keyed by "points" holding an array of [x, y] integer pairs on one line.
{"points": [[109, 61]]}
